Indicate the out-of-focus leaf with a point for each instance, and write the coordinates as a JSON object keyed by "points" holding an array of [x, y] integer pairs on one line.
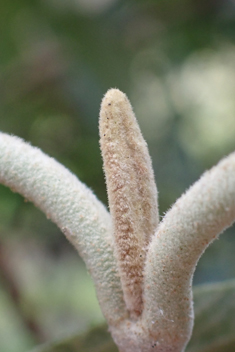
{"points": [[96, 340], [214, 329]]}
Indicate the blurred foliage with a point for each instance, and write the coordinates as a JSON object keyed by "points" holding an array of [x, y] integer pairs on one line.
{"points": [[175, 60], [214, 318], [97, 339], [213, 329]]}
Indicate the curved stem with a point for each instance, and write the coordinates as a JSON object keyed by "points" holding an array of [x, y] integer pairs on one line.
{"points": [[73, 207], [194, 221]]}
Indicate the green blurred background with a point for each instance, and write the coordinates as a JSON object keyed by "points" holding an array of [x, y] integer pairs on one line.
{"points": [[176, 62]]}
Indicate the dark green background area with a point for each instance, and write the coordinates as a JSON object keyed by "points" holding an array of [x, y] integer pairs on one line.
{"points": [[176, 62]]}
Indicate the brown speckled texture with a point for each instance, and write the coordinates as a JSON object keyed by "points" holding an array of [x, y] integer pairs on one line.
{"points": [[131, 191]]}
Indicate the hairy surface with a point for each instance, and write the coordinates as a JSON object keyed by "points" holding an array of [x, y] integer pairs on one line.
{"points": [[194, 221], [131, 191], [73, 207], [151, 266]]}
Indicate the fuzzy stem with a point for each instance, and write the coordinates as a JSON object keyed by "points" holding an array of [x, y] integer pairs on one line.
{"points": [[131, 191], [194, 221], [73, 207]]}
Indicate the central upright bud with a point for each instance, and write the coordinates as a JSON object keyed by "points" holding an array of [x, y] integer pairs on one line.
{"points": [[132, 192]]}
